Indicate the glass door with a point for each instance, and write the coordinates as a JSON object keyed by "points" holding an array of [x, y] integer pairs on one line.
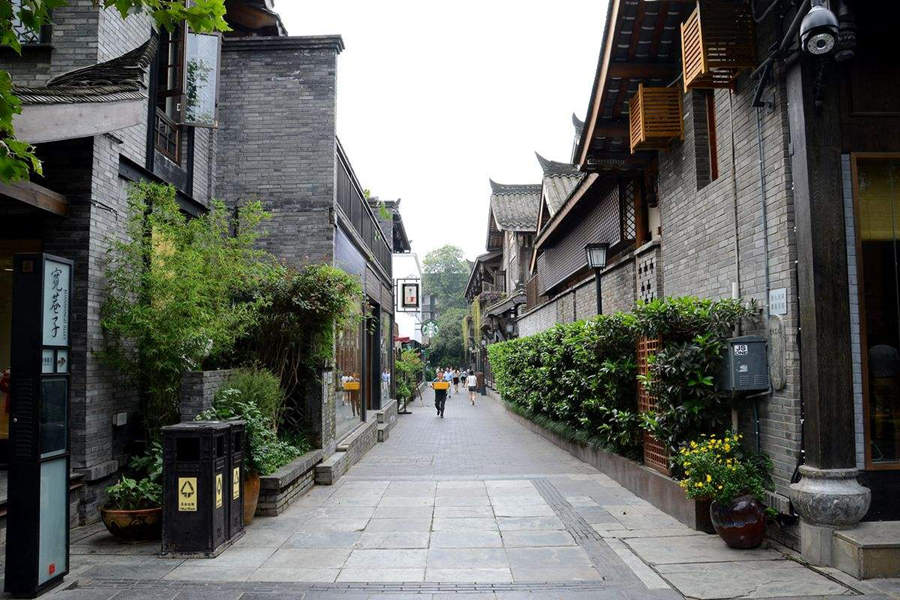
{"points": [[877, 196]]}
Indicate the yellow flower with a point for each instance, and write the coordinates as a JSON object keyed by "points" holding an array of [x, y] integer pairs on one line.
{"points": [[720, 487], [687, 463], [698, 484], [727, 448], [693, 444], [708, 478]]}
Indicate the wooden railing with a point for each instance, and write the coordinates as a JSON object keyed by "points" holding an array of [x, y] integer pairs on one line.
{"points": [[353, 204]]}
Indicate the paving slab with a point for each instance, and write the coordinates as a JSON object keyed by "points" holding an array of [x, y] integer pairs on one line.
{"points": [[473, 575], [298, 574], [322, 539], [417, 524], [307, 558], [698, 549], [536, 558], [464, 524], [393, 539], [381, 574], [467, 558], [395, 558], [556, 574], [458, 512], [521, 523], [466, 539], [750, 579], [537, 537]]}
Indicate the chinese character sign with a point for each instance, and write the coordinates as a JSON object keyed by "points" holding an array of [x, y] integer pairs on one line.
{"points": [[56, 303]]}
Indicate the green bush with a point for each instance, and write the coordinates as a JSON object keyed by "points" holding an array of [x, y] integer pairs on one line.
{"points": [[260, 387], [266, 452], [134, 494], [683, 374], [407, 370], [581, 377], [170, 286]]}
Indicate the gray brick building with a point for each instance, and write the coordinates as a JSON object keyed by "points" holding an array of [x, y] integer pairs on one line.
{"points": [[757, 189], [273, 139]]}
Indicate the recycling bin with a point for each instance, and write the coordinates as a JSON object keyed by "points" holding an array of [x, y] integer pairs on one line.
{"points": [[235, 485], [195, 513]]}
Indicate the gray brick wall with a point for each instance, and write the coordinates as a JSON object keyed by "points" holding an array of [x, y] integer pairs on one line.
{"points": [[698, 255], [277, 139]]}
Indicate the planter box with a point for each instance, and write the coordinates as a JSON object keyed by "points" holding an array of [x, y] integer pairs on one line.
{"points": [[280, 489], [198, 388], [662, 492]]}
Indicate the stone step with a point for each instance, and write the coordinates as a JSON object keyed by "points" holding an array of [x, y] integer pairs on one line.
{"points": [[869, 550], [383, 432]]}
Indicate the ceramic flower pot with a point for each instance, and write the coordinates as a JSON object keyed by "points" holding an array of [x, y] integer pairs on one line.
{"points": [[133, 525], [741, 524], [251, 496]]}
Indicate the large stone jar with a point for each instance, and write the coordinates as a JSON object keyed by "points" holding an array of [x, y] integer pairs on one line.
{"points": [[740, 523], [251, 495]]}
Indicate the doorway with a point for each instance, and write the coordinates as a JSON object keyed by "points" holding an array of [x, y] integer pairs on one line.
{"points": [[876, 183]]}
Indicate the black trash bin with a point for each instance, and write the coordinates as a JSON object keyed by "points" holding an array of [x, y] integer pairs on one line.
{"points": [[195, 513], [235, 488]]}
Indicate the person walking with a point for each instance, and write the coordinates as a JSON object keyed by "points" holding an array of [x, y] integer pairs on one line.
{"points": [[448, 378], [472, 386], [440, 393], [456, 380]]}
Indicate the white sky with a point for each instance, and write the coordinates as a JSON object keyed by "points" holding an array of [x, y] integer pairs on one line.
{"points": [[435, 97]]}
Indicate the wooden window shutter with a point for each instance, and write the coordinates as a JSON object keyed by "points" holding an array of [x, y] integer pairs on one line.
{"points": [[654, 117], [716, 44]]}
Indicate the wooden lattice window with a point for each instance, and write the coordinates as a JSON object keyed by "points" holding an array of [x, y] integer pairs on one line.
{"points": [[656, 455], [654, 118], [716, 44]]}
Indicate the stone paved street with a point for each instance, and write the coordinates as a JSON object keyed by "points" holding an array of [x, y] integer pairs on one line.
{"points": [[469, 506]]}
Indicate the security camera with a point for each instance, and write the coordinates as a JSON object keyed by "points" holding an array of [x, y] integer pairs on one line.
{"points": [[819, 30]]}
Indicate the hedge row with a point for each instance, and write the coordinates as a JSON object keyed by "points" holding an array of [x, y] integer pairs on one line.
{"points": [[583, 375]]}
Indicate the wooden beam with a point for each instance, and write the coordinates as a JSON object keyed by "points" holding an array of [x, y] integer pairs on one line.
{"points": [[642, 70], [611, 128], [37, 196]]}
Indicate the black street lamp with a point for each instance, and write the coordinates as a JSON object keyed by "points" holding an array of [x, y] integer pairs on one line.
{"points": [[596, 260]]}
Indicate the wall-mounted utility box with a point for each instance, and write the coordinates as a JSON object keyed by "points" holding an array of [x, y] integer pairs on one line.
{"points": [[746, 366]]}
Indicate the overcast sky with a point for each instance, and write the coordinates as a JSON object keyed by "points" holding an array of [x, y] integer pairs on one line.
{"points": [[436, 97]]}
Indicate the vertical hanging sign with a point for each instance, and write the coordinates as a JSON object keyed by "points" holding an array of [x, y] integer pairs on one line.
{"points": [[38, 505]]}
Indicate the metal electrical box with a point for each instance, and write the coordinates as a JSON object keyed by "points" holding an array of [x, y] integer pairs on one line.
{"points": [[746, 366], [195, 511]]}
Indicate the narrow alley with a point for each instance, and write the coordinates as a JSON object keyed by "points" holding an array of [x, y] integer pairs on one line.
{"points": [[472, 505]]}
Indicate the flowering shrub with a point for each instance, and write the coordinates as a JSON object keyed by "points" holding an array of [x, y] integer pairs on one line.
{"points": [[720, 469]]}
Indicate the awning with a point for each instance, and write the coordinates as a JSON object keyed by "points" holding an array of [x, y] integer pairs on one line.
{"points": [[89, 101], [507, 304]]}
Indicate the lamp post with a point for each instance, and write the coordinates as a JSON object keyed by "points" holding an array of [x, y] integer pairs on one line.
{"points": [[596, 260]]}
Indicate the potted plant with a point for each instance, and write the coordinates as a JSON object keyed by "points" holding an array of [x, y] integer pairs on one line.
{"points": [[133, 510], [265, 452], [718, 469]]}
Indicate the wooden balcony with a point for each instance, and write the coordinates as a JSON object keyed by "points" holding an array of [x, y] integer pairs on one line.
{"points": [[716, 44], [655, 118]]}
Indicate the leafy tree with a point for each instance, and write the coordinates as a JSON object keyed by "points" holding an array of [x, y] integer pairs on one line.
{"points": [[447, 346], [445, 277], [17, 158], [170, 285]]}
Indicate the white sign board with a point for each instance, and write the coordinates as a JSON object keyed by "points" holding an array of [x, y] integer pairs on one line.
{"points": [[56, 303], [778, 301]]}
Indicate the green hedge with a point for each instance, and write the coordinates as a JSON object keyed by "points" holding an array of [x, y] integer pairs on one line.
{"points": [[582, 376]]}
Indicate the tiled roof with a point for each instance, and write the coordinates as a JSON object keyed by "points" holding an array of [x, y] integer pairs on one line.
{"points": [[559, 181], [515, 207], [121, 78]]}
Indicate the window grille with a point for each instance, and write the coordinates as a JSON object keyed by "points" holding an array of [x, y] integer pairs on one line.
{"points": [[25, 34], [626, 211], [656, 455]]}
